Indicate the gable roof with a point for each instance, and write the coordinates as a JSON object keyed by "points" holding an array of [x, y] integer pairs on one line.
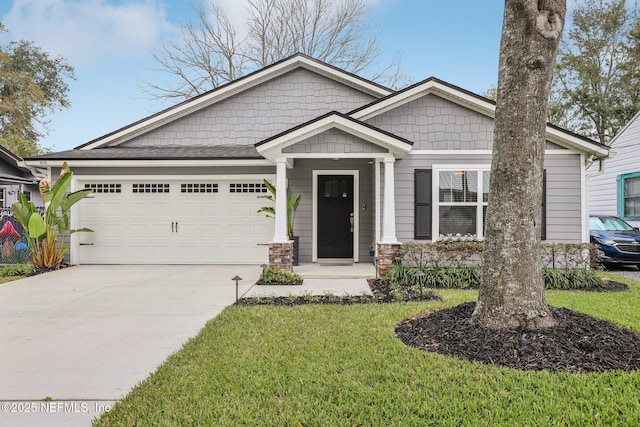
{"points": [[475, 102], [270, 147], [624, 129], [223, 92]]}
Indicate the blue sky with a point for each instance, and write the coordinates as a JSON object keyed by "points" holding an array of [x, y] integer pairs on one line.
{"points": [[109, 43]]}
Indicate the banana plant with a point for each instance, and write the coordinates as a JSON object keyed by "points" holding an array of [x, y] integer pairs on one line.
{"points": [[44, 232], [292, 206]]}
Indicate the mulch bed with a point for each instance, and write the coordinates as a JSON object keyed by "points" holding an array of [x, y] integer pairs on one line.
{"points": [[263, 283], [579, 344]]}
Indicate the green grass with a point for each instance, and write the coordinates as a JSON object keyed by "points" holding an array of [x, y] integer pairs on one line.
{"points": [[9, 279], [329, 365]]}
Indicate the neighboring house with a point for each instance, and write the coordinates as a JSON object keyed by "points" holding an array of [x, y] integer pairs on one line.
{"points": [[15, 179], [375, 167], [616, 191]]}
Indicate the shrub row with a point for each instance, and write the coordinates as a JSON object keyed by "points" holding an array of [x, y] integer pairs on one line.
{"points": [[276, 276], [471, 277], [17, 270]]}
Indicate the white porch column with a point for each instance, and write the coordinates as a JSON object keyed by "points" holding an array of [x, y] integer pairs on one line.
{"points": [[389, 203], [280, 232]]}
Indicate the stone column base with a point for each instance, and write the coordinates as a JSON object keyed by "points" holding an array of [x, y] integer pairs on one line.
{"points": [[281, 255], [387, 254]]}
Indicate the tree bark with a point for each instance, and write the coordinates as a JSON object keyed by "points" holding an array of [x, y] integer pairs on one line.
{"points": [[512, 291]]}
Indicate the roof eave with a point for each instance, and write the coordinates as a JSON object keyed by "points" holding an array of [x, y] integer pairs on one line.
{"points": [[230, 89]]}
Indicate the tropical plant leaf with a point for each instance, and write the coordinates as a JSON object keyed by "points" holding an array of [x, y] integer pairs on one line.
{"points": [[73, 198], [81, 230], [37, 228], [58, 191]]}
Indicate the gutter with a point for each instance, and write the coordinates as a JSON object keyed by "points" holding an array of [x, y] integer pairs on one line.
{"points": [[600, 170]]}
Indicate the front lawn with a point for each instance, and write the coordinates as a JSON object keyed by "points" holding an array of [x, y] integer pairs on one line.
{"points": [[10, 279], [337, 365]]}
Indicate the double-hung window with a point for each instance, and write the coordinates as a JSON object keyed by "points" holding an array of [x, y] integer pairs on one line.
{"points": [[451, 202], [463, 193], [629, 196]]}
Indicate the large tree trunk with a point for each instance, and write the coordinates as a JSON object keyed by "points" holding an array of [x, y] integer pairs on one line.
{"points": [[512, 292]]}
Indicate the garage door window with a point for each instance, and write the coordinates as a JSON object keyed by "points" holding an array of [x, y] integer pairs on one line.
{"points": [[150, 188], [104, 188], [198, 188], [248, 187]]}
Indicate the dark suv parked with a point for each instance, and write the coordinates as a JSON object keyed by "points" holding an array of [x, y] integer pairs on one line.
{"points": [[618, 241]]}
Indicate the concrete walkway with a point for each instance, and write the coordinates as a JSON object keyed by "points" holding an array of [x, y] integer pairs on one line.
{"points": [[75, 341], [321, 279]]}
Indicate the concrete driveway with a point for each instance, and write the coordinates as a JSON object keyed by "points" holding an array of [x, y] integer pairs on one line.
{"points": [[85, 335]]}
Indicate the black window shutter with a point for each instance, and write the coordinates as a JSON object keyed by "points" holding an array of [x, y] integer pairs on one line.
{"points": [[543, 228], [422, 216]]}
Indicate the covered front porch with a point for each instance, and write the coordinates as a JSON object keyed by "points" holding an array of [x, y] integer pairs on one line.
{"points": [[345, 172]]}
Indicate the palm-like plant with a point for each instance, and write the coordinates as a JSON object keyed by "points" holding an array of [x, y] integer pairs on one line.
{"points": [[44, 233], [292, 206]]}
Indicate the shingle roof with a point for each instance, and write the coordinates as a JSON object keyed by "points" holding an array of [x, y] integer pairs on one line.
{"points": [[226, 152]]}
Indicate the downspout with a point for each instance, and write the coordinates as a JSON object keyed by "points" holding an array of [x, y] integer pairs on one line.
{"points": [[600, 170]]}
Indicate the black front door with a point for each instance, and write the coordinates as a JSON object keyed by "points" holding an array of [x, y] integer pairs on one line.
{"points": [[335, 216]]}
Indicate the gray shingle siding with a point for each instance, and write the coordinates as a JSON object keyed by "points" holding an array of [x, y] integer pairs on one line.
{"points": [[434, 123], [334, 141], [258, 113]]}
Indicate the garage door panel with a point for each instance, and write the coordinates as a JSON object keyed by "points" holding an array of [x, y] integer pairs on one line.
{"points": [[217, 227]]}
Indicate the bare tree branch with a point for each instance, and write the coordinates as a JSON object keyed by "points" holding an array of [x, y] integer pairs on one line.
{"points": [[210, 51]]}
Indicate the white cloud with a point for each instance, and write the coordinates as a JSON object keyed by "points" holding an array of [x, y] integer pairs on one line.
{"points": [[88, 31]]}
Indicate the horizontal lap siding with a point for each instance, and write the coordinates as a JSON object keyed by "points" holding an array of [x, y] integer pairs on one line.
{"points": [[564, 188], [603, 188], [405, 179], [301, 182], [563, 192]]}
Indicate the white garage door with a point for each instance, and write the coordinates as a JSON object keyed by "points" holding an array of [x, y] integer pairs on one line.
{"points": [[162, 221]]}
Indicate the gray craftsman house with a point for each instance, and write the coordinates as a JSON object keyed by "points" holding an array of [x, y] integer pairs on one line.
{"points": [[375, 167]]}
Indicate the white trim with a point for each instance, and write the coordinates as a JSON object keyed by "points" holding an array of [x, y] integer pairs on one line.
{"points": [[356, 212], [550, 152], [584, 201], [272, 149], [77, 180], [233, 88], [378, 214], [474, 103], [334, 155], [74, 243], [435, 195], [428, 87], [280, 232], [389, 236], [147, 163], [172, 178]]}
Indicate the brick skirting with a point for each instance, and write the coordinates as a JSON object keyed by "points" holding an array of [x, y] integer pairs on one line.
{"points": [[281, 255], [387, 254]]}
